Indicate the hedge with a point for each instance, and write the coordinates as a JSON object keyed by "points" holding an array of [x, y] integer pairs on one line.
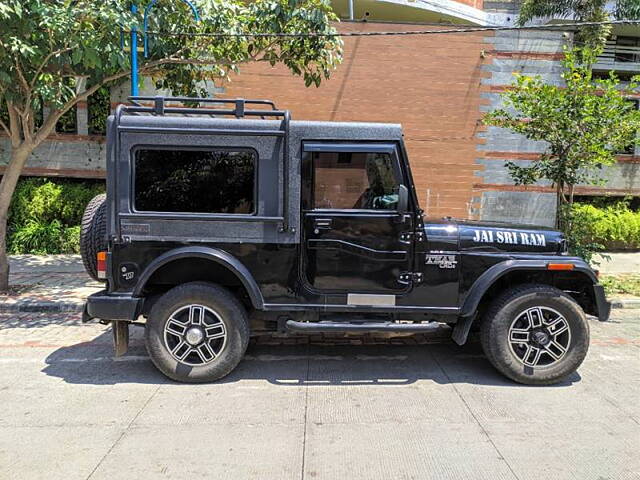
{"points": [[45, 215], [614, 227]]}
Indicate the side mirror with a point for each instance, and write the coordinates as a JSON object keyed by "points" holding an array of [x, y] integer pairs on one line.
{"points": [[403, 199]]}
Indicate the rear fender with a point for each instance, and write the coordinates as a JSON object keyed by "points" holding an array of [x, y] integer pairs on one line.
{"points": [[213, 254]]}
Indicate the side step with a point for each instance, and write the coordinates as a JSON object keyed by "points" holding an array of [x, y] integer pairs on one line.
{"points": [[340, 327]]}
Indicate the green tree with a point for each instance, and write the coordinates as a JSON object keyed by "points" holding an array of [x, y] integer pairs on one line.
{"points": [[593, 37], [56, 53], [585, 122]]}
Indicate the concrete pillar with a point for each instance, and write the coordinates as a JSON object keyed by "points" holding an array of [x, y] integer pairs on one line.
{"points": [[46, 111], [82, 113]]}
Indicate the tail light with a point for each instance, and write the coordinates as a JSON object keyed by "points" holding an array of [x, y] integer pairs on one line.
{"points": [[102, 264]]}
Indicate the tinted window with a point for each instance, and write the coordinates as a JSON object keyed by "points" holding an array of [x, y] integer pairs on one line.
{"points": [[196, 181], [354, 181]]}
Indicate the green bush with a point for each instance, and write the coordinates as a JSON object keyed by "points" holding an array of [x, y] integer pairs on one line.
{"points": [[45, 215], [99, 107], [614, 227]]}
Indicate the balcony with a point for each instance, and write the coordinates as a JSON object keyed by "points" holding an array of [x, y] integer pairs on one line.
{"points": [[621, 54]]}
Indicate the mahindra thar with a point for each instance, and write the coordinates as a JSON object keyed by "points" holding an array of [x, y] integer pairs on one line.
{"points": [[227, 219]]}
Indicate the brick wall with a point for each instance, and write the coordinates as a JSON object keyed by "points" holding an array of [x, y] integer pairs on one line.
{"points": [[472, 3], [430, 84]]}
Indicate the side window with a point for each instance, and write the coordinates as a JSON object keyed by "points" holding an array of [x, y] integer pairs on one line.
{"points": [[354, 181], [195, 181]]}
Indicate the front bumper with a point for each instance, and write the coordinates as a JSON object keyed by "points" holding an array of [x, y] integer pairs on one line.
{"points": [[602, 305], [112, 306]]}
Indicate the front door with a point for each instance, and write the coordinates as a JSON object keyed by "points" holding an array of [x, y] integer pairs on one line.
{"points": [[356, 241]]}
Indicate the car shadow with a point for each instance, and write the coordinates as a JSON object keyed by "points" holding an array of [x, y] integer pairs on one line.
{"points": [[319, 362]]}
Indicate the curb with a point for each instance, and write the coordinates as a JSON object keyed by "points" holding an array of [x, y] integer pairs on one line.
{"points": [[625, 303], [31, 306]]}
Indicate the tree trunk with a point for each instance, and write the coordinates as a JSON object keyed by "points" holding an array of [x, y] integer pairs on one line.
{"points": [[559, 205], [8, 184]]}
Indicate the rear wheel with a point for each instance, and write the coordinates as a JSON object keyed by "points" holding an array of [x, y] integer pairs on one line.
{"points": [[535, 334], [197, 332]]}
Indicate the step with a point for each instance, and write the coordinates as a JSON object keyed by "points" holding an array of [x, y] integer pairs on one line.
{"points": [[364, 327]]}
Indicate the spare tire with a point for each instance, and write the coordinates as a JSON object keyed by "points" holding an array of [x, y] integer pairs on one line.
{"points": [[93, 234]]}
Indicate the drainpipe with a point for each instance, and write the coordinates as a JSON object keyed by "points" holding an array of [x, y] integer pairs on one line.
{"points": [[350, 9], [134, 54]]}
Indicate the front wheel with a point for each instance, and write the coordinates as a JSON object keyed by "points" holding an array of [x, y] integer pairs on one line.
{"points": [[197, 332], [535, 334]]}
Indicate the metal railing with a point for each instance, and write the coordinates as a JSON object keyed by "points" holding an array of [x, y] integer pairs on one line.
{"points": [[620, 57]]}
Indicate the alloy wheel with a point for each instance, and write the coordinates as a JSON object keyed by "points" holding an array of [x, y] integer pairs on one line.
{"points": [[539, 337], [195, 335]]}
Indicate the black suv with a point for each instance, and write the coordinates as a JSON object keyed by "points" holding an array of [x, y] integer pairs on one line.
{"points": [[226, 218]]}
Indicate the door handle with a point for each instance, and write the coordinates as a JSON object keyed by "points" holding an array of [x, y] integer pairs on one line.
{"points": [[321, 224]]}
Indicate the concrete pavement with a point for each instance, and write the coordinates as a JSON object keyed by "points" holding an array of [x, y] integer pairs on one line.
{"points": [[616, 263], [401, 409]]}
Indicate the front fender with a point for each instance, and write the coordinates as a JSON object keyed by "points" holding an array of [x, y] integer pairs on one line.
{"points": [[213, 254], [491, 275]]}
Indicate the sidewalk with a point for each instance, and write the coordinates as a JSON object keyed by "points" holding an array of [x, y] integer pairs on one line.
{"points": [[616, 263], [51, 283], [58, 283]]}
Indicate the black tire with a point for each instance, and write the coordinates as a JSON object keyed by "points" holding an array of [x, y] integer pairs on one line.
{"points": [[93, 234], [223, 307], [510, 358]]}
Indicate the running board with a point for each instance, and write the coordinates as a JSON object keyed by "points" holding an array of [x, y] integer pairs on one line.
{"points": [[343, 327]]}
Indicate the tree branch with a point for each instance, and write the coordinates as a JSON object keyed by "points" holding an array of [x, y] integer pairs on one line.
{"points": [[23, 80], [50, 123], [44, 62], [5, 127], [14, 125]]}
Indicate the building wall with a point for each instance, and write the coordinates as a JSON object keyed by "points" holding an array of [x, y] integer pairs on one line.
{"points": [[437, 86], [529, 53], [62, 155], [430, 84]]}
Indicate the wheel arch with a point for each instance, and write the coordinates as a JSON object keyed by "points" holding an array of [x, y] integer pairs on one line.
{"points": [[224, 262], [578, 282]]}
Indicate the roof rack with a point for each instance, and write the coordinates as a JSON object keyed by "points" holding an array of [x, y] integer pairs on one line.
{"points": [[239, 110]]}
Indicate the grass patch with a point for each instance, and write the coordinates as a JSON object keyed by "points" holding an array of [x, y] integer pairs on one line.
{"points": [[621, 284]]}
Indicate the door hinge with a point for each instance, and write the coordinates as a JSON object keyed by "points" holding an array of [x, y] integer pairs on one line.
{"points": [[410, 277], [405, 237]]}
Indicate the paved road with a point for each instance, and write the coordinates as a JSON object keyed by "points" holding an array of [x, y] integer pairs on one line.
{"points": [[311, 411]]}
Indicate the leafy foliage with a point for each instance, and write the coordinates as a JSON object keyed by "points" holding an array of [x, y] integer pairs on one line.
{"points": [[56, 53], [584, 122], [45, 215], [593, 37], [48, 44], [99, 107], [582, 239], [68, 123], [615, 227]]}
